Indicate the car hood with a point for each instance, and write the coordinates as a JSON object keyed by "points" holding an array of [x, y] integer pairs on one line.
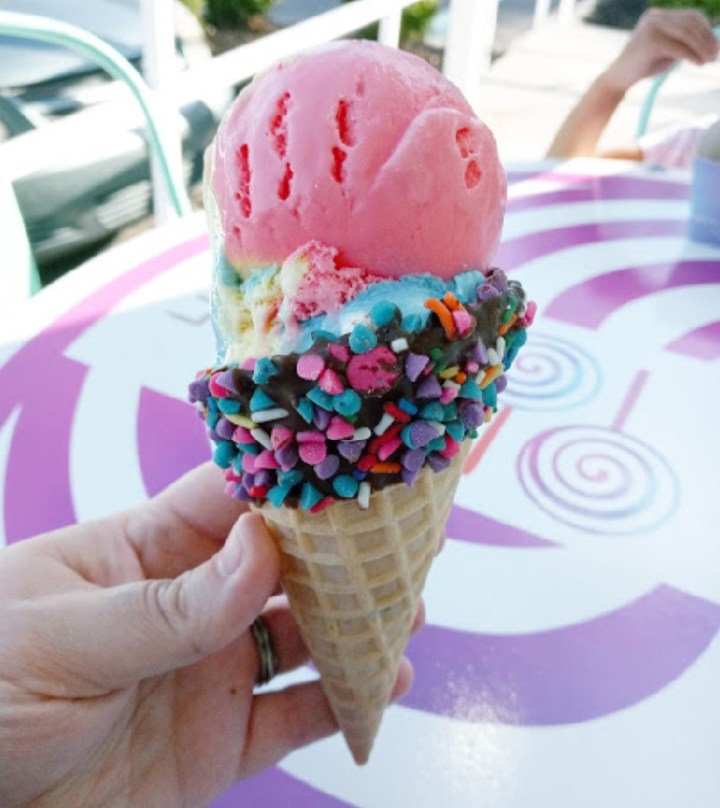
{"points": [[24, 62]]}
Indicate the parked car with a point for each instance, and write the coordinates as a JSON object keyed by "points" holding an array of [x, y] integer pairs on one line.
{"points": [[79, 179]]}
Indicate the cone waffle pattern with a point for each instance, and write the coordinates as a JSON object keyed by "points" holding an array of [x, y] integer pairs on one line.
{"points": [[354, 579]]}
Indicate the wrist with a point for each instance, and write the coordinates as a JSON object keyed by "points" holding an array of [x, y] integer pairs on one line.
{"points": [[612, 85]]}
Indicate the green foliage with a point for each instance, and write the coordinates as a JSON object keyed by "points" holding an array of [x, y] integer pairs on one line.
{"points": [[414, 23], [232, 13], [710, 7]]}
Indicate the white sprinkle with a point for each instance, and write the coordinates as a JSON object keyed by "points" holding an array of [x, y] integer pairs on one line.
{"points": [[383, 424], [260, 416], [437, 425], [492, 357], [500, 347], [262, 437], [400, 344], [363, 497], [362, 434], [449, 384]]}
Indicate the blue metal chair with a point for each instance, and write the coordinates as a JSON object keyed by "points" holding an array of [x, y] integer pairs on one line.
{"points": [[649, 102], [47, 30]]}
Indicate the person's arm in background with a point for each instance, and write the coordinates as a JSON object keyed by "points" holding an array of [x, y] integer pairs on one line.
{"points": [[661, 37]]}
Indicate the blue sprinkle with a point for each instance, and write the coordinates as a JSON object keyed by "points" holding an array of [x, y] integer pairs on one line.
{"points": [[309, 496], [277, 495], [434, 411], [326, 335], [489, 396], [412, 322], [212, 418], [359, 475], [265, 369], [228, 406], [470, 389], [237, 462], [382, 313], [406, 437], [347, 403], [456, 429], [252, 448], [287, 479], [438, 444], [518, 340], [321, 398], [305, 409], [261, 401], [362, 339], [212, 404], [450, 412], [407, 406], [345, 486], [224, 453]]}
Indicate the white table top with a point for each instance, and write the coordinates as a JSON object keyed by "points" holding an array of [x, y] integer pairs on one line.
{"points": [[572, 652]]}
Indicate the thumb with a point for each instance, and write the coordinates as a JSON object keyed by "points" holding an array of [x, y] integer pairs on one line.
{"points": [[117, 636]]}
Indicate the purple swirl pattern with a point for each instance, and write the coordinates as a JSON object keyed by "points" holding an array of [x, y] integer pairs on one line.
{"points": [[598, 480], [552, 374]]}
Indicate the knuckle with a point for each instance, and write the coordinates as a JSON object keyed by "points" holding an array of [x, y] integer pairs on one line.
{"points": [[169, 607]]}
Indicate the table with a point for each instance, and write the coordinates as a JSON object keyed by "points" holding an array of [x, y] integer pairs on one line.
{"points": [[572, 654]]}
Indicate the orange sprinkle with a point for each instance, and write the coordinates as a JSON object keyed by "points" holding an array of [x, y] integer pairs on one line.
{"points": [[490, 375], [504, 328], [452, 302], [461, 377], [443, 314], [386, 468]]}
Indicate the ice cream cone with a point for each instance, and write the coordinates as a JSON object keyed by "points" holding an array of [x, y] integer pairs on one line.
{"points": [[354, 578]]}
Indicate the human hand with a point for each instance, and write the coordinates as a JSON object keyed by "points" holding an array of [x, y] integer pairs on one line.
{"points": [[660, 38], [126, 662]]}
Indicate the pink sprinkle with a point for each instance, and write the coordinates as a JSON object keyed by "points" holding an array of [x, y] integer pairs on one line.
{"points": [[248, 462], [310, 366], [217, 389], [463, 321], [310, 437], [340, 429], [391, 446], [313, 453], [330, 382], [375, 371], [266, 460], [452, 447], [472, 367], [242, 435], [249, 364], [322, 505], [230, 488], [281, 436], [530, 312], [340, 352], [448, 394]]}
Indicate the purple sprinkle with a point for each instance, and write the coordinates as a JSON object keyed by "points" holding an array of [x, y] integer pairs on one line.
{"points": [[248, 480], [414, 365], [264, 478], [225, 429], [421, 433], [359, 475], [408, 476], [321, 418], [498, 279], [413, 459], [471, 413], [328, 467], [241, 494], [287, 456], [213, 435], [226, 380], [351, 449], [199, 390], [478, 353], [486, 290], [437, 462], [501, 383], [429, 387]]}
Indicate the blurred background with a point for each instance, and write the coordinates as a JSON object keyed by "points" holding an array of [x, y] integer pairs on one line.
{"points": [[81, 188]]}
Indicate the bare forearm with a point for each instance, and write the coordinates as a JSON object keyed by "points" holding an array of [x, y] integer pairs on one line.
{"points": [[579, 134]]}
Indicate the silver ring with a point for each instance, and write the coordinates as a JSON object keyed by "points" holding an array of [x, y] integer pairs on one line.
{"points": [[266, 651]]}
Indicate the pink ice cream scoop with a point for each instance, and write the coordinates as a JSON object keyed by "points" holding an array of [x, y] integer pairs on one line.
{"points": [[365, 148]]}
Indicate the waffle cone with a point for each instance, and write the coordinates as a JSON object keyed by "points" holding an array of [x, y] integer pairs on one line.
{"points": [[354, 579]]}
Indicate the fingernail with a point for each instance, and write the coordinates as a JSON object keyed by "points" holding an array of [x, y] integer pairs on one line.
{"points": [[230, 557]]}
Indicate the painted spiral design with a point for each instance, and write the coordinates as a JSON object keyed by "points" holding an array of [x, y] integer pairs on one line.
{"points": [[598, 480], [552, 374]]}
